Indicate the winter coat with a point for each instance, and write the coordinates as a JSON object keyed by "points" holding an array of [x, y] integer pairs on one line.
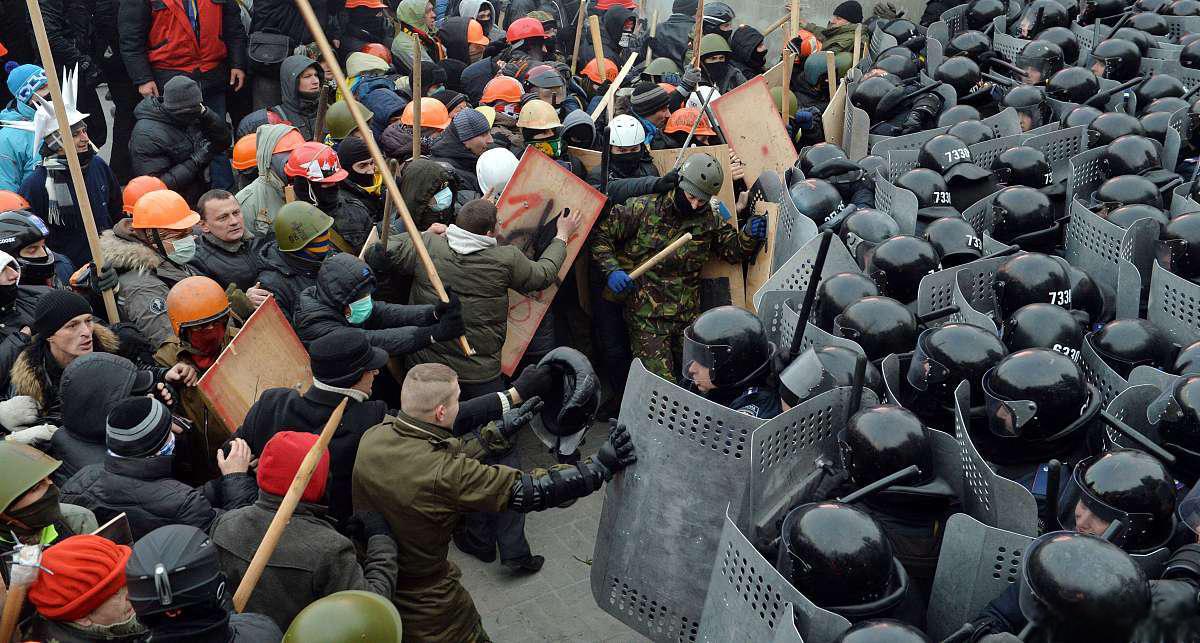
{"points": [[363, 26], [144, 490], [67, 235], [611, 27], [145, 277], [397, 329], [454, 35], [39, 628], [450, 150], [286, 277], [421, 180], [280, 16], [475, 77], [173, 151], [293, 108], [69, 28], [264, 196], [277, 408], [673, 34], [481, 279], [471, 9], [626, 185], [352, 220], [157, 34], [13, 318], [227, 263], [312, 560], [411, 17], [17, 156], [384, 104], [839, 39], [36, 374]]}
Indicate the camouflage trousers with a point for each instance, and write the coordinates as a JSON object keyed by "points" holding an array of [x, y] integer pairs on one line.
{"points": [[659, 344]]}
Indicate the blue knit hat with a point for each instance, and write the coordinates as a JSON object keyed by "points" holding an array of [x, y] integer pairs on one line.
{"points": [[469, 123], [24, 80]]}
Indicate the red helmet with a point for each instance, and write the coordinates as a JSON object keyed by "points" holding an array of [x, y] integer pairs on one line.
{"points": [[316, 162], [377, 50], [523, 28]]}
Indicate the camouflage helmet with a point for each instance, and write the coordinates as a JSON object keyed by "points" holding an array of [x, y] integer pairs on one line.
{"points": [[701, 176], [714, 44], [777, 99], [297, 223], [340, 122], [23, 467], [541, 16], [662, 66], [347, 617]]}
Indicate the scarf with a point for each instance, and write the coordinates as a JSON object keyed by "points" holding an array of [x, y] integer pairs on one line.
{"points": [[352, 393], [58, 192], [128, 628], [465, 243]]}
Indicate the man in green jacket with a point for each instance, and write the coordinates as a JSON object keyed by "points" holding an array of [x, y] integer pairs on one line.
{"points": [[838, 37]]}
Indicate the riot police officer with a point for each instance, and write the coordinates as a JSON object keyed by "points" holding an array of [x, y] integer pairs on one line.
{"points": [[945, 357], [1126, 485], [1124, 344], [727, 358], [818, 370]]}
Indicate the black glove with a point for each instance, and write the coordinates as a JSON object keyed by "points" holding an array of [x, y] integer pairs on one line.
{"points": [[667, 182], [365, 524], [449, 324], [203, 154], [535, 380], [1172, 604], [107, 279], [377, 258], [514, 419], [442, 307], [617, 451]]}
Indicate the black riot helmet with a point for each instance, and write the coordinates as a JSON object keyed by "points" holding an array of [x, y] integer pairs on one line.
{"points": [[836, 292], [980, 13], [1126, 485], [1127, 190], [842, 173], [1125, 215], [1023, 165], [881, 440], [173, 568], [1124, 344], [1082, 116], [1018, 211], [814, 155], [816, 199], [973, 44], [866, 228], [958, 114], [1100, 9], [1029, 100], [725, 347], [1040, 56], [1188, 362], [959, 72], [1184, 8], [1130, 154], [971, 132], [883, 630], [1085, 293], [901, 29], [873, 164], [836, 555], [869, 92], [1028, 278], [955, 241], [943, 152], [1189, 56], [1080, 588], [1155, 6], [1140, 39], [898, 264], [1168, 104], [1118, 60], [1038, 395], [20, 229], [1038, 16], [1177, 413], [951, 354], [1043, 325], [933, 196], [818, 370], [1110, 126], [1149, 23], [1156, 87], [880, 325], [1066, 40], [904, 66], [1072, 85], [1179, 246], [1156, 122]]}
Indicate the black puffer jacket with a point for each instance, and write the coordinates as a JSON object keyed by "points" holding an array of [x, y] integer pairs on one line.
{"points": [[285, 276], [672, 36], [352, 219], [397, 329], [611, 25], [144, 490], [13, 318], [69, 29], [293, 108], [228, 263], [173, 151]]}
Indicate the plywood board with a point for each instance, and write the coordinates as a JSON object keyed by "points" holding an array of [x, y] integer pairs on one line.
{"points": [[759, 270], [538, 192], [722, 283], [834, 117], [589, 158], [754, 128], [774, 76], [265, 354]]}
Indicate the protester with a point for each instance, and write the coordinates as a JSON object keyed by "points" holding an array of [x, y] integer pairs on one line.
{"points": [[300, 81], [290, 263], [80, 592], [265, 194], [225, 251], [30, 507], [17, 154]]}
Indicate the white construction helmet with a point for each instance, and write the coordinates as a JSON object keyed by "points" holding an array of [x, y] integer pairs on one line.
{"points": [[494, 168], [696, 100], [626, 131]]}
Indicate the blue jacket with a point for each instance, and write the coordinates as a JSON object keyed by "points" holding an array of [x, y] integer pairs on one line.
{"points": [[17, 157], [68, 237]]}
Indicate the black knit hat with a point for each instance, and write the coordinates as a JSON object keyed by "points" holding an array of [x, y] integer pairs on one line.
{"points": [[648, 98], [341, 357], [137, 427], [55, 308], [850, 11], [450, 98], [351, 150]]}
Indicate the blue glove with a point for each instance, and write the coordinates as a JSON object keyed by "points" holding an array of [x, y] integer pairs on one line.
{"points": [[804, 117], [619, 281], [756, 227]]}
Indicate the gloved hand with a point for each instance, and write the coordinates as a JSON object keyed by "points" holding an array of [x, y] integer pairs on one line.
{"points": [[34, 435], [377, 259], [106, 279], [442, 308], [203, 154], [514, 419], [617, 451], [756, 227], [667, 182], [619, 282], [688, 80], [239, 303], [365, 524], [448, 326], [804, 118], [1172, 603], [534, 380], [18, 411]]}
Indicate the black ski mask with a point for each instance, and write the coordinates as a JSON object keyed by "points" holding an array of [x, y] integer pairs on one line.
{"points": [[626, 164], [39, 271]]}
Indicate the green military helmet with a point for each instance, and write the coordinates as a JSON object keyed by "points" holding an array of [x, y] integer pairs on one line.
{"points": [[777, 99], [541, 16], [297, 223], [340, 122], [701, 176], [23, 467], [713, 44], [351, 616], [662, 66], [816, 69]]}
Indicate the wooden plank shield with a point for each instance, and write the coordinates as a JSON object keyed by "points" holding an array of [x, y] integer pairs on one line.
{"points": [[754, 129], [589, 158], [834, 117], [537, 193], [722, 283], [759, 269], [265, 354], [774, 76]]}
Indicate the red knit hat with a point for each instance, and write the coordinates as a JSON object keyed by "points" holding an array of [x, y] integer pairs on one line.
{"points": [[87, 570], [281, 459], [605, 5]]}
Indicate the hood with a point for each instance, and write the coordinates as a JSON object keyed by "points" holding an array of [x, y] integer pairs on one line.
{"points": [[126, 254], [449, 147], [579, 118], [384, 104], [412, 13], [358, 63], [266, 138], [685, 7], [613, 20], [470, 9], [744, 41], [454, 36], [422, 179], [289, 72], [12, 113], [92, 385], [343, 278]]}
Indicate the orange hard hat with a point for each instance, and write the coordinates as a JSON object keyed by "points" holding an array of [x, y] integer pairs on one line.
{"points": [[194, 301], [316, 162], [245, 152], [475, 33], [163, 210], [377, 50], [681, 122], [137, 187], [804, 44], [433, 114], [369, 4], [13, 201], [502, 88], [289, 141], [592, 70]]}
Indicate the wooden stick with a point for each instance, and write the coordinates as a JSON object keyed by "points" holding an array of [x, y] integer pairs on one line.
{"points": [[660, 255], [416, 102], [578, 36], [64, 129], [775, 25], [612, 89], [795, 17], [289, 193], [653, 29], [410, 226], [393, 168], [12, 610], [697, 35], [270, 540], [789, 60], [831, 72], [857, 43], [598, 47]]}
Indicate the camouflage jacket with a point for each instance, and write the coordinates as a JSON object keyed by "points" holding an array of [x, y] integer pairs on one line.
{"points": [[636, 230]]}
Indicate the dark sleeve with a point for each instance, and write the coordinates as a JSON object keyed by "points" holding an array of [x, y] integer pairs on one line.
{"points": [[10, 347], [1003, 614], [216, 130], [231, 491], [59, 32], [116, 211], [477, 412], [234, 35], [619, 190], [384, 315], [150, 158], [401, 341], [133, 27], [923, 114], [864, 194]]}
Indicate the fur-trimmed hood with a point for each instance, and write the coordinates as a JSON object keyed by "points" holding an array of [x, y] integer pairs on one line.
{"points": [[126, 254], [29, 375]]}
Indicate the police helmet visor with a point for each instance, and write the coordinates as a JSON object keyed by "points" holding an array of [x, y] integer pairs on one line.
{"points": [[1170, 252], [925, 371], [702, 362], [805, 378], [1006, 418], [1078, 492]]}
